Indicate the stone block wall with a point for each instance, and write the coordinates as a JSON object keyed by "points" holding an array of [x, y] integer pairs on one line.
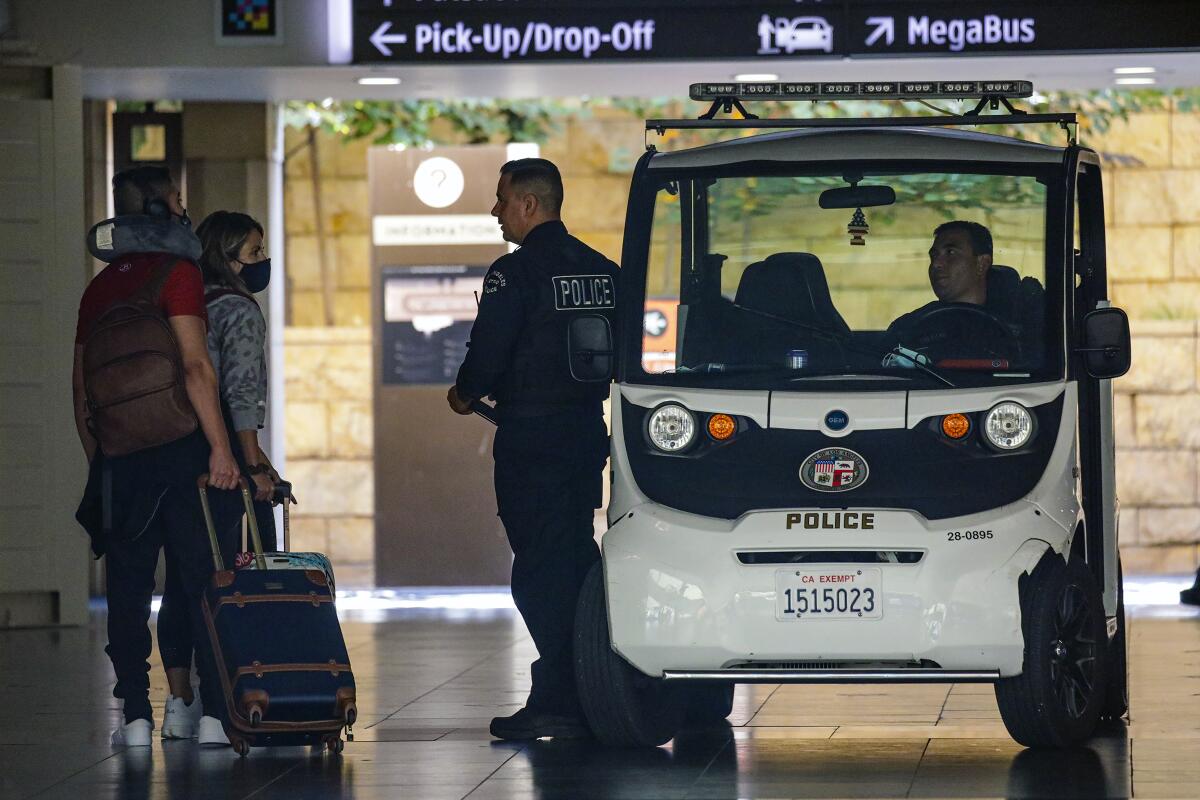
{"points": [[1152, 209], [327, 384], [1152, 205], [1157, 410]]}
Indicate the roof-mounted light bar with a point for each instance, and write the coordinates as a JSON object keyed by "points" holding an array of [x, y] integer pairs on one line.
{"points": [[878, 90]]}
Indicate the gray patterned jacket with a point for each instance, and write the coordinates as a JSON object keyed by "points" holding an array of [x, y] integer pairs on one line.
{"points": [[237, 335]]}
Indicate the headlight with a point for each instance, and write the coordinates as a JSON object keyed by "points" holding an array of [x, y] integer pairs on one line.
{"points": [[671, 428], [1008, 426]]}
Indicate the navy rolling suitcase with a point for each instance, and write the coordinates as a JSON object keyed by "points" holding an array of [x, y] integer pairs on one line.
{"points": [[278, 647]]}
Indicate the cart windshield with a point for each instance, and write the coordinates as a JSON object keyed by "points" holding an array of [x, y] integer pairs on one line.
{"points": [[872, 275]]}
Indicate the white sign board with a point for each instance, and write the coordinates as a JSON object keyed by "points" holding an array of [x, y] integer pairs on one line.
{"points": [[435, 229]]}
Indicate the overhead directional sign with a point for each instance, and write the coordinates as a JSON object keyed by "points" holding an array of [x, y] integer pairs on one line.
{"points": [[411, 31], [937, 27]]}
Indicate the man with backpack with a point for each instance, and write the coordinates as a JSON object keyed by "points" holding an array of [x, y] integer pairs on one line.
{"points": [[149, 421]]}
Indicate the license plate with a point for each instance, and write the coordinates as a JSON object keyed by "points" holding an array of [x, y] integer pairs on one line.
{"points": [[829, 594]]}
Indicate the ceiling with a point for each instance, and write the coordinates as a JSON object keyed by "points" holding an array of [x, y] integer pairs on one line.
{"points": [[619, 79]]}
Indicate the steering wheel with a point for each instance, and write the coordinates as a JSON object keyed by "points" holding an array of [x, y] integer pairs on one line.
{"points": [[961, 330]]}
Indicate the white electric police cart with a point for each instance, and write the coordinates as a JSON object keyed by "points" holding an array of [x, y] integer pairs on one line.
{"points": [[804, 493]]}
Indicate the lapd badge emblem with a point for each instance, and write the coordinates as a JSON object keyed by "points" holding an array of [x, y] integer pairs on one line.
{"points": [[834, 469], [494, 282], [583, 292]]}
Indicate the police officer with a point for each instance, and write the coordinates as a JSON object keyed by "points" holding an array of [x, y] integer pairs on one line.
{"points": [[551, 443]]}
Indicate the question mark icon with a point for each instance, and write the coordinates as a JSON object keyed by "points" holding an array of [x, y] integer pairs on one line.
{"points": [[438, 182]]}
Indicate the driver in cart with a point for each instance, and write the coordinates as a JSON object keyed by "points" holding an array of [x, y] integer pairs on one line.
{"points": [[984, 311], [959, 260]]}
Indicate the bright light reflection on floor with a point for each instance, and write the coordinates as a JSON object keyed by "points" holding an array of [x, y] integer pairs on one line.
{"points": [[451, 598], [1158, 596], [1146, 595]]}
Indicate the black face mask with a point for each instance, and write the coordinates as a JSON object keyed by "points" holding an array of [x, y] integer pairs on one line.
{"points": [[256, 276]]}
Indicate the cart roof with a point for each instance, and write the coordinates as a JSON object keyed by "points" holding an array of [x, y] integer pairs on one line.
{"points": [[851, 144]]}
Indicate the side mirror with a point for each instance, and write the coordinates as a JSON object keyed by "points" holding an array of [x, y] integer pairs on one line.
{"points": [[590, 347], [1106, 350]]}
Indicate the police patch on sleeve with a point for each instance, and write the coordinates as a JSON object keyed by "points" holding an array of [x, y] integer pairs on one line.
{"points": [[494, 282], [578, 292]]}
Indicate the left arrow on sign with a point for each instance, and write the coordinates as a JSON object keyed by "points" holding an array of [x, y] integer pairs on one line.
{"points": [[885, 27], [381, 38]]}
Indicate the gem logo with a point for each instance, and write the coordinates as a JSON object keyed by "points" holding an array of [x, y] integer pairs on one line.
{"points": [[837, 420], [834, 469]]}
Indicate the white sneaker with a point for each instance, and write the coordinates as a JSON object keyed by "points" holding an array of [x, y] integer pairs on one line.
{"points": [[211, 732], [179, 719], [133, 734]]}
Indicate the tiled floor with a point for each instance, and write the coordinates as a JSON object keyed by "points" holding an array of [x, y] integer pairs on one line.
{"points": [[431, 673]]}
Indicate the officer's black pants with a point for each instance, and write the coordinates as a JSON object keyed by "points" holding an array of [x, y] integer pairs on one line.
{"points": [[548, 484], [178, 526]]}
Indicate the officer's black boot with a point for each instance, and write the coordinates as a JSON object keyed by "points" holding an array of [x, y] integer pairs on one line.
{"points": [[529, 724], [1191, 597]]}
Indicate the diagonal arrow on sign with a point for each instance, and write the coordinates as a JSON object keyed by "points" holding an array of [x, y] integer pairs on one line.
{"points": [[381, 38], [885, 27]]}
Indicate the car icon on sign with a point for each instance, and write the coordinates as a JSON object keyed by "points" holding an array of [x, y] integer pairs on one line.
{"points": [[803, 33]]}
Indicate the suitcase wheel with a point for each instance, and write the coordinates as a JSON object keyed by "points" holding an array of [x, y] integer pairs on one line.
{"points": [[335, 744], [351, 715], [240, 746], [256, 716]]}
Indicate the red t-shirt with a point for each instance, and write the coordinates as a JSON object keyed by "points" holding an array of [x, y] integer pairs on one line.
{"points": [[182, 293]]}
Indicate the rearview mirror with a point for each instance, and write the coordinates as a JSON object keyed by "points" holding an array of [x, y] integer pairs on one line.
{"points": [[1106, 351], [589, 342], [858, 197]]}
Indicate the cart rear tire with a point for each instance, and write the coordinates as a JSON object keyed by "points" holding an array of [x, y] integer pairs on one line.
{"points": [[624, 707], [1057, 698], [708, 703], [1116, 700]]}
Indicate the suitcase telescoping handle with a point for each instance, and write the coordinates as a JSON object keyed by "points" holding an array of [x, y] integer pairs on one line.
{"points": [[248, 502], [283, 496]]}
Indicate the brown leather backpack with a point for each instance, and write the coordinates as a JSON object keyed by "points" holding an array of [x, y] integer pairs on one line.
{"points": [[133, 374]]}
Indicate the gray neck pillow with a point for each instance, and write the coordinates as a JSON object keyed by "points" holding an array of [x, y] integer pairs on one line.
{"points": [[137, 233]]}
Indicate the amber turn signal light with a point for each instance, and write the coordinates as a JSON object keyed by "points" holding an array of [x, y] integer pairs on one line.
{"points": [[956, 426], [721, 427]]}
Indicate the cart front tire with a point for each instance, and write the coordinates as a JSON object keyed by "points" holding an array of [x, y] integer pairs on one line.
{"points": [[624, 707], [1057, 698], [708, 703]]}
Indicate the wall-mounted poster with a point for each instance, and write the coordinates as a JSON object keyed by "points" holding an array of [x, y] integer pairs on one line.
{"points": [[427, 318]]}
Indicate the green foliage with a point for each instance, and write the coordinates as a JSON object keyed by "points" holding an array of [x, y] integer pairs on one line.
{"points": [[433, 122], [425, 122]]}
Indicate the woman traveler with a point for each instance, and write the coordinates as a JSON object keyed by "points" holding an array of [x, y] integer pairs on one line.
{"points": [[234, 266]]}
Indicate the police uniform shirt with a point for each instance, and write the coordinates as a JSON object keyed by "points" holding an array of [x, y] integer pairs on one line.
{"points": [[517, 352]]}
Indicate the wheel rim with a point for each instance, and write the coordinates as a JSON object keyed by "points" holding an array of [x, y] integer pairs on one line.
{"points": [[1073, 652]]}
